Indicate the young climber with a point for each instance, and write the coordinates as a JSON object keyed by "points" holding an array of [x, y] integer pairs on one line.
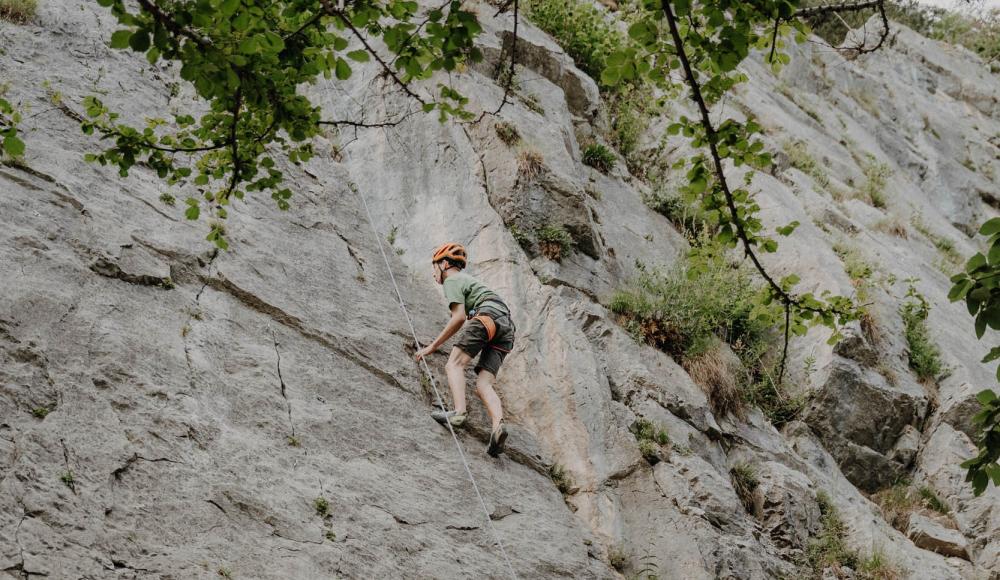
{"points": [[489, 333]]}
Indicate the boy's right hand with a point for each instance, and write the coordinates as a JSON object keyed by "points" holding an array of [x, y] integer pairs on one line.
{"points": [[423, 352]]}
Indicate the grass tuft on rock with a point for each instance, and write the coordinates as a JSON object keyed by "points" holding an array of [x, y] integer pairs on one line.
{"points": [[322, 506], [924, 355], [554, 241], [745, 483], [18, 11], [651, 438], [507, 132], [599, 157]]}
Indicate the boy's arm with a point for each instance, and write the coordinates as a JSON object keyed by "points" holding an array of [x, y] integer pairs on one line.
{"points": [[453, 326]]}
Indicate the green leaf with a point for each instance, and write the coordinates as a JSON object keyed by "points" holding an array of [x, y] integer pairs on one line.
{"points": [[986, 397], [120, 38], [980, 324], [974, 263], [13, 146], [359, 55], [342, 70], [979, 482], [139, 41], [992, 226]]}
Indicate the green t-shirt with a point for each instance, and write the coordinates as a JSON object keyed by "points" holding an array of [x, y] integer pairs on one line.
{"points": [[462, 288]]}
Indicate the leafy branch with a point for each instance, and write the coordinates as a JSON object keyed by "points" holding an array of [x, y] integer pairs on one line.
{"points": [[707, 42], [247, 59], [10, 143], [979, 286]]}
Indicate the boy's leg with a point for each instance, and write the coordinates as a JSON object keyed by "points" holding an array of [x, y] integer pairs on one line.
{"points": [[455, 369], [484, 388]]}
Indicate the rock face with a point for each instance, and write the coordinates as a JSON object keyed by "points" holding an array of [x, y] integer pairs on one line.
{"points": [[930, 535], [168, 411]]}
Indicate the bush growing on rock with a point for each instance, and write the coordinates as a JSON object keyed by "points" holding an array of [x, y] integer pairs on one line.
{"points": [[554, 241], [599, 157], [924, 355], [507, 132], [651, 439]]}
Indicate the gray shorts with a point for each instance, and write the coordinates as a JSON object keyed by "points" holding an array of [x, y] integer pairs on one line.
{"points": [[474, 340]]}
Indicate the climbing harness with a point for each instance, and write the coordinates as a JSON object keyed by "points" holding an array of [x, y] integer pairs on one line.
{"points": [[427, 371], [488, 324]]}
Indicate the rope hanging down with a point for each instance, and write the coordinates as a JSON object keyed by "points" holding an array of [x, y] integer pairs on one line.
{"points": [[427, 371]]}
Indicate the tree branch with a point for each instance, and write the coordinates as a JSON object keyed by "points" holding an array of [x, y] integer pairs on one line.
{"points": [[710, 134], [235, 144], [830, 8], [330, 9], [167, 21]]}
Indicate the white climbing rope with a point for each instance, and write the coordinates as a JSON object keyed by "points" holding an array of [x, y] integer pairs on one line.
{"points": [[427, 371]]}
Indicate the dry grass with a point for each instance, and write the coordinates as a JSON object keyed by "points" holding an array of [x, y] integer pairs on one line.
{"points": [[894, 226], [900, 501], [18, 11], [507, 132], [530, 163], [871, 327], [717, 375], [745, 483]]}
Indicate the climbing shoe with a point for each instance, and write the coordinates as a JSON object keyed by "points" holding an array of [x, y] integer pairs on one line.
{"points": [[497, 440], [456, 419]]}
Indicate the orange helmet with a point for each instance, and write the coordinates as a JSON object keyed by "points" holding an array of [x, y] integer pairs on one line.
{"points": [[453, 252]]}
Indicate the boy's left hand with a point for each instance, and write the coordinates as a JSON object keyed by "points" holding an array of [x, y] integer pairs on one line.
{"points": [[423, 352]]}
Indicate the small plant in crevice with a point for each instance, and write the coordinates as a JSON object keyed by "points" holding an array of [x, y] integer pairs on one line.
{"points": [[901, 500], [686, 215], [599, 157], [322, 506], [68, 480], [800, 158], [923, 354], [329, 535], [563, 481], [225, 573], [530, 163], [876, 175], [894, 226], [719, 376], [617, 558], [651, 439], [507, 132], [530, 100], [745, 483], [168, 199], [932, 501], [554, 241], [860, 272], [877, 566], [41, 412], [293, 441], [828, 548], [520, 236]]}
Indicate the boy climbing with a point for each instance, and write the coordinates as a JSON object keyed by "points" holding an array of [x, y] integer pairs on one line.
{"points": [[490, 334]]}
